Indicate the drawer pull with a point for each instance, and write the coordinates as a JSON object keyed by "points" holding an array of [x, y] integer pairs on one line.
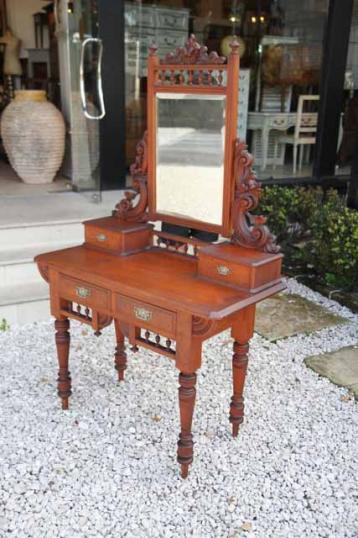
{"points": [[101, 237], [223, 270], [83, 292], [142, 314]]}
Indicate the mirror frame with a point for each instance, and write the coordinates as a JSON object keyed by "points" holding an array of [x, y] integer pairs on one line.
{"points": [[182, 68]]}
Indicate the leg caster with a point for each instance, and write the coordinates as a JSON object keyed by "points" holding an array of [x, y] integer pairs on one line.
{"points": [[239, 367], [63, 348], [120, 356], [187, 394]]}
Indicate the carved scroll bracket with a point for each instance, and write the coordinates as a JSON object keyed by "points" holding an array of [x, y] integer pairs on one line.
{"points": [[249, 230], [126, 210]]}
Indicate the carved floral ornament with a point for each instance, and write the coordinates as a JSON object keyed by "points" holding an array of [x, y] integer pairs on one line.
{"points": [[193, 53]]}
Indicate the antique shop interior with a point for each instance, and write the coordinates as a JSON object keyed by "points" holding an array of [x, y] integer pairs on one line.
{"points": [[87, 59]]}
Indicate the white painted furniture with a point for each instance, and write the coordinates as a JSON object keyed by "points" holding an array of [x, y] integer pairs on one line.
{"points": [[265, 123], [304, 133], [167, 27]]}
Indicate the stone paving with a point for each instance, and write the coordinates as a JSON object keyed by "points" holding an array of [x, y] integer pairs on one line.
{"points": [[341, 367], [288, 314]]}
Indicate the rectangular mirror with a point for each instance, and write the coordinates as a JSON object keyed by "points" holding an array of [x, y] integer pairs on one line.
{"points": [[190, 156]]}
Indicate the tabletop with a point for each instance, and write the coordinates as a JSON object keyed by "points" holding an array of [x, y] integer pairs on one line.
{"points": [[156, 275]]}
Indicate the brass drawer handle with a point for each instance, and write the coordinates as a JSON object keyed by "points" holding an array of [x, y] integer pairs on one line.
{"points": [[223, 270], [101, 237], [142, 313], [83, 292]]}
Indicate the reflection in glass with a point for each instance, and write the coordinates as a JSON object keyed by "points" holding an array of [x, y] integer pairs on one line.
{"points": [[190, 156]]}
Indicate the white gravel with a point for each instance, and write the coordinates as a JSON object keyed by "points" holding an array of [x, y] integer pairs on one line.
{"points": [[107, 467]]}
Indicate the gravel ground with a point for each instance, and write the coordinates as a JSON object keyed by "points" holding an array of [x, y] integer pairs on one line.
{"points": [[107, 467]]}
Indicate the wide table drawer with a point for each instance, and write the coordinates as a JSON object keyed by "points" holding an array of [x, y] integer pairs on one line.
{"points": [[146, 315], [83, 293]]}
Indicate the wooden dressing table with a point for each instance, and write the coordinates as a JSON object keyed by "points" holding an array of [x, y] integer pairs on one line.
{"points": [[166, 292]]}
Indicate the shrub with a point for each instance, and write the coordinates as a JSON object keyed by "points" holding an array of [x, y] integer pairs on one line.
{"points": [[329, 230], [333, 246], [289, 210], [4, 326]]}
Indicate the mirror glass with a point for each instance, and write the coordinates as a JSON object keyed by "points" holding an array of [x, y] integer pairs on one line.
{"points": [[190, 156]]}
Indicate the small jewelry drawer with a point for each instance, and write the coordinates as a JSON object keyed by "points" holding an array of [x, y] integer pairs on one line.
{"points": [[104, 239], [84, 294], [145, 315], [245, 268], [110, 235]]}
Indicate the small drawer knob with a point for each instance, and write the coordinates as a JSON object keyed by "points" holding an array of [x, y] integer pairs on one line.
{"points": [[101, 237], [142, 313], [83, 292], [223, 270]]}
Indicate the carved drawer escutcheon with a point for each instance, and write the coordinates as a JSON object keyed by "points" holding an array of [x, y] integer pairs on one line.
{"points": [[145, 315], [142, 313], [84, 293], [223, 270], [101, 237]]}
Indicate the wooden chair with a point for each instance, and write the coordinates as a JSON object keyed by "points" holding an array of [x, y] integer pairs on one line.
{"points": [[305, 131]]}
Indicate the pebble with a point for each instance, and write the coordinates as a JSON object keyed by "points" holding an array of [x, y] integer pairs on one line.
{"points": [[107, 467]]}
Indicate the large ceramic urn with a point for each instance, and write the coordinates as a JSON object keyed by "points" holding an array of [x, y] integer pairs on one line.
{"points": [[33, 133]]}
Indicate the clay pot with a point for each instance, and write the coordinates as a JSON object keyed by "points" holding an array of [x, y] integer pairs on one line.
{"points": [[33, 132]]}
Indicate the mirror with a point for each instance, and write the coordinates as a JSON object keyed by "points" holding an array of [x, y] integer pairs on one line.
{"points": [[190, 156]]}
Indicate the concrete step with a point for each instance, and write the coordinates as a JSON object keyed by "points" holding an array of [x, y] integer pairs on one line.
{"points": [[17, 266], [49, 218], [17, 237], [31, 226], [25, 303]]}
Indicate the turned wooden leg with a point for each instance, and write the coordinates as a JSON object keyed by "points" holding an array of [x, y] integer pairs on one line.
{"points": [[239, 367], [242, 331], [63, 350], [187, 394], [120, 356]]}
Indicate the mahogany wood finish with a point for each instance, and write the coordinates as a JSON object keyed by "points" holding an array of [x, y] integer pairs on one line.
{"points": [[242, 267], [239, 367], [187, 393], [170, 293], [63, 350], [120, 357], [116, 237]]}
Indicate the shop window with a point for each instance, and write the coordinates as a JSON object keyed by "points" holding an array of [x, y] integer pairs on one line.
{"points": [[281, 50]]}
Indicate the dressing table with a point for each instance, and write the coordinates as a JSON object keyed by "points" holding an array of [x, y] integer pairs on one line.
{"points": [[166, 292]]}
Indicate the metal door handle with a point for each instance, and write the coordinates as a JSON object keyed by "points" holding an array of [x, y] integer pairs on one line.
{"points": [[56, 13], [102, 111]]}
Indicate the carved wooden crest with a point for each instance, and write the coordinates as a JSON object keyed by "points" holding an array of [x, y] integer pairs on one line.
{"points": [[193, 53]]}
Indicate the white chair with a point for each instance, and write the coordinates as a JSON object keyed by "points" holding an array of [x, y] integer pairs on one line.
{"points": [[305, 131]]}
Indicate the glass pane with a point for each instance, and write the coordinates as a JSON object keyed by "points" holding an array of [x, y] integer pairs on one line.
{"points": [[348, 132], [190, 156], [83, 166]]}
